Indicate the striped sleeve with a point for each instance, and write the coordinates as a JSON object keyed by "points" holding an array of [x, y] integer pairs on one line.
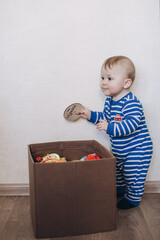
{"points": [[96, 116], [132, 112]]}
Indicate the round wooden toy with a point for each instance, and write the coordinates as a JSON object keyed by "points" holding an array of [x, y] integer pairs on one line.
{"points": [[73, 112]]}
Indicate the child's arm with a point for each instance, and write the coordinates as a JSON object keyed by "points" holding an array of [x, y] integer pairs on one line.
{"points": [[132, 112], [92, 116]]}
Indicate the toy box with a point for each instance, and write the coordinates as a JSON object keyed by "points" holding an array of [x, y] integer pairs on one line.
{"points": [[72, 198]]}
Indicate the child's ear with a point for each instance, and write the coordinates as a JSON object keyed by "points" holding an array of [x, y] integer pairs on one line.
{"points": [[127, 83]]}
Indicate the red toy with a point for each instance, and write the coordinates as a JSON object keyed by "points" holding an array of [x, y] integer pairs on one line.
{"points": [[92, 157], [38, 159]]}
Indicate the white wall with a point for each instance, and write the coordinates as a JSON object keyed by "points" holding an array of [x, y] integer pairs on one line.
{"points": [[51, 53]]}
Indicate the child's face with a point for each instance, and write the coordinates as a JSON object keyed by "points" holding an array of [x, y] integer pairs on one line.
{"points": [[113, 80]]}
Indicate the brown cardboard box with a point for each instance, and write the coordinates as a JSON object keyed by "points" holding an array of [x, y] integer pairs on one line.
{"points": [[72, 198]]}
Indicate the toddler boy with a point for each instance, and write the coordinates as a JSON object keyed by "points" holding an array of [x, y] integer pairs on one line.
{"points": [[123, 119]]}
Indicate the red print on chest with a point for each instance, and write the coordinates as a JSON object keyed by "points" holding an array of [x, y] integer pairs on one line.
{"points": [[118, 118]]}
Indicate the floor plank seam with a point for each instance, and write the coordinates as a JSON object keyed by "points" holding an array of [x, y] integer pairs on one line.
{"points": [[8, 215], [146, 222]]}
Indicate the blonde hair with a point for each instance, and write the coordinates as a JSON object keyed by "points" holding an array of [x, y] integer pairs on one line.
{"points": [[123, 61]]}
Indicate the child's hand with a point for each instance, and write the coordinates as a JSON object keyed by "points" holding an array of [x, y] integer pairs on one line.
{"points": [[102, 125], [86, 113]]}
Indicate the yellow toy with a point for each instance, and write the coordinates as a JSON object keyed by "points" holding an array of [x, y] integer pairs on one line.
{"points": [[50, 158]]}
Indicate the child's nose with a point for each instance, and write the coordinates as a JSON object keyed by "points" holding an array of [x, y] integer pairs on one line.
{"points": [[104, 82]]}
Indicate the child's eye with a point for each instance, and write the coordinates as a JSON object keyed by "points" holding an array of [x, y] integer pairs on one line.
{"points": [[102, 78], [109, 78]]}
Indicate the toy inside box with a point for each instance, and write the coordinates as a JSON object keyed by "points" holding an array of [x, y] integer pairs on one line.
{"points": [[71, 198]]}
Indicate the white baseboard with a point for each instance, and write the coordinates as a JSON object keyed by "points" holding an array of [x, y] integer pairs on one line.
{"points": [[23, 189], [14, 189], [152, 187]]}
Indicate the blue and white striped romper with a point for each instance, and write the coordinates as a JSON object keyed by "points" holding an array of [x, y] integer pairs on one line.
{"points": [[130, 141]]}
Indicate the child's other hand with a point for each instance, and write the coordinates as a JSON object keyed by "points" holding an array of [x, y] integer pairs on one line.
{"points": [[86, 113], [102, 125]]}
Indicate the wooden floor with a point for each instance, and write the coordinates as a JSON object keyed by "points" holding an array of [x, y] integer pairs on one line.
{"points": [[141, 223]]}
